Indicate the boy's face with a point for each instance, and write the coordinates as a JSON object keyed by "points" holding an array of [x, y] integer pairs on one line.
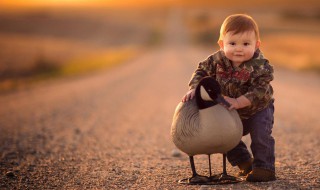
{"points": [[239, 47]]}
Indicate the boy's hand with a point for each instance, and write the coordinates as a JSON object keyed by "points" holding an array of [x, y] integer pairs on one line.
{"points": [[232, 101], [237, 103], [190, 94]]}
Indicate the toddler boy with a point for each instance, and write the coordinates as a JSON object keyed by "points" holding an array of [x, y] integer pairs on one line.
{"points": [[244, 76]]}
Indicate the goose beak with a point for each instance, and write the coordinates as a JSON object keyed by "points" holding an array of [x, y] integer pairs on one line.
{"points": [[222, 101]]}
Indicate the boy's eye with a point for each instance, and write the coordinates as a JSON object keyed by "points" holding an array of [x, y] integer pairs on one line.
{"points": [[246, 44], [232, 43]]}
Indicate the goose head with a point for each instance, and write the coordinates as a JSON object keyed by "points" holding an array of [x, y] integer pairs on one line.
{"points": [[208, 93]]}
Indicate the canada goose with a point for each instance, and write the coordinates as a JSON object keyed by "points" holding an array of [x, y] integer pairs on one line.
{"points": [[203, 126]]}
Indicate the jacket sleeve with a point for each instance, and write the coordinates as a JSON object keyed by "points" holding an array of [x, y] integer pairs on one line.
{"points": [[260, 88], [205, 68]]}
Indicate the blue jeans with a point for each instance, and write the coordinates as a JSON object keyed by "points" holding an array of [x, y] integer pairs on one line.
{"points": [[262, 143]]}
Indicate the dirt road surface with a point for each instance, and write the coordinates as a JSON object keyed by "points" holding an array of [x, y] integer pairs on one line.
{"points": [[112, 130]]}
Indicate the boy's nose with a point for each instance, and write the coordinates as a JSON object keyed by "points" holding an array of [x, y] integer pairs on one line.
{"points": [[238, 48]]}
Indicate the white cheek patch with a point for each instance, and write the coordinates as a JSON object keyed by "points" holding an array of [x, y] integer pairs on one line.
{"points": [[204, 94]]}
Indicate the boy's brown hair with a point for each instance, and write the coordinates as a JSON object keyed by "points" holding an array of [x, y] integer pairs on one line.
{"points": [[238, 23]]}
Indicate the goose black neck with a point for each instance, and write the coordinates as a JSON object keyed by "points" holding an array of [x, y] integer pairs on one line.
{"points": [[202, 104]]}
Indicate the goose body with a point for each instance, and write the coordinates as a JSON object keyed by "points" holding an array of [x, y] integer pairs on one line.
{"points": [[206, 131], [203, 126]]}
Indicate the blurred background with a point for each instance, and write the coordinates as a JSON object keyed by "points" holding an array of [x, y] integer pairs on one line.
{"points": [[58, 38]]}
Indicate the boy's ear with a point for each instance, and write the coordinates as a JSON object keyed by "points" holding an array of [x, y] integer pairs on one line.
{"points": [[220, 42], [258, 44]]}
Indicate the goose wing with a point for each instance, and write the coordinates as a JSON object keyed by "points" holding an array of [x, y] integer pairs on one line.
{"points": [[185, 122]]}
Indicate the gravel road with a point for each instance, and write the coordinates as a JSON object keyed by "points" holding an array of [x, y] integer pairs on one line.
{"points": [[112, 130]]}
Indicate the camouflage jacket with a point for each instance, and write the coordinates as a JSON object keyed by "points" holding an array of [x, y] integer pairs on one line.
{"points": [[251, 79]]}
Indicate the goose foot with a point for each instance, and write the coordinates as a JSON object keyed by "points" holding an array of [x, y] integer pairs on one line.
{"points": [[196, 180], [226, 179], [213, 180]]}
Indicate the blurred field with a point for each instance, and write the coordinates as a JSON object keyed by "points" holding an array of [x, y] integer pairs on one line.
{"points": [[289, 39], [50, 42]]}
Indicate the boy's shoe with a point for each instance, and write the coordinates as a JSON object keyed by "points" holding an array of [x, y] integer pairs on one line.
{"points": [[245, 167], [261, 175]]}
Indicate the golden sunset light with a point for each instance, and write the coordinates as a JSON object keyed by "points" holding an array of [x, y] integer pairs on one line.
{"points": [[21, 4], [35, 3], [13, 4], [96, 94]]}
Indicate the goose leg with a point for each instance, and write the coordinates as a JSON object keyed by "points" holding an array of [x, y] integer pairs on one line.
{"points": [[214, 178], [209, 166], [224, 165], [193, 168], [224, 176], [196, 178]]}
